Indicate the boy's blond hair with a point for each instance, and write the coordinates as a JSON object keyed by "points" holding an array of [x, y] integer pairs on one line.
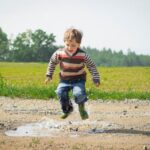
{"points": [[73, 34]]}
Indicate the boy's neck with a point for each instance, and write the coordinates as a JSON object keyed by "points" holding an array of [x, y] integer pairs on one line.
{"points": [[71, 53]]}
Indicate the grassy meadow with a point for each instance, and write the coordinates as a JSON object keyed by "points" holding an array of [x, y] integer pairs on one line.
{"points": [[117, 83]]}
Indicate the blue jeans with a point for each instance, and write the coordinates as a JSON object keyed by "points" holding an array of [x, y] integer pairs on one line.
{"points": [[78, 90]]}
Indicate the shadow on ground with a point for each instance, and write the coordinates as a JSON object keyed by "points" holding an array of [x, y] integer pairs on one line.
{"points": [[120, 131]]}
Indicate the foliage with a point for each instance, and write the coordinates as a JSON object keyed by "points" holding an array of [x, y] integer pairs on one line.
{"points": [[4, 45], [33, 46], [2, 82], [38, 46], [106, 57]]}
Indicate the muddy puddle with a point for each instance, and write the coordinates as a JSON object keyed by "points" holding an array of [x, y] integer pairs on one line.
{"points": [[55, 128]]}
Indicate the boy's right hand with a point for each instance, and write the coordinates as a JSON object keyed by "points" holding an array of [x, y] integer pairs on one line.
{"points": [[47, 80]]}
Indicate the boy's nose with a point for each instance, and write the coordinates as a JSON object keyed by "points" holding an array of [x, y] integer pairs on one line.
{"points": [[70, 48]]}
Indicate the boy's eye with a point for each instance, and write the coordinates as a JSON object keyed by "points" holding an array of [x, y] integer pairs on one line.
{"points": [[71, 45]]}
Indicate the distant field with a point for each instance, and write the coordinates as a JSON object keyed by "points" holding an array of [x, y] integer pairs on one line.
{"points": [[113, 79]]}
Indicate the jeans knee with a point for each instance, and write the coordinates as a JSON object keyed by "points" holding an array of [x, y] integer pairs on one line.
{"points": [[81, 99], [77, 93], [61, 93]]}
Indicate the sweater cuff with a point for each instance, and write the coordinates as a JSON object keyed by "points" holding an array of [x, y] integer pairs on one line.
{"points": [[49, 76]]}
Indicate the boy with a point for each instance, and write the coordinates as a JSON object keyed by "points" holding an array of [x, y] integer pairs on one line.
{"points": [[72, 61]]}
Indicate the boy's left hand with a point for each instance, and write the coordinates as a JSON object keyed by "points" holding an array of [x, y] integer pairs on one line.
{"points": [[97, 84]]}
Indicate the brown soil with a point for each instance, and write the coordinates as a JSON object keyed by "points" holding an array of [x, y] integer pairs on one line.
{"points": [[115, 125]]}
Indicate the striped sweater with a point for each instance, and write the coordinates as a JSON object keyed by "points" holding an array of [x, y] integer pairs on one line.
{"points": [[72, 67]]}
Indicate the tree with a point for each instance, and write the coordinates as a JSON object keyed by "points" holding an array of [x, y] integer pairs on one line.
{"points": [[33, 46], [22, 47], [42, 45], [4, 45]]}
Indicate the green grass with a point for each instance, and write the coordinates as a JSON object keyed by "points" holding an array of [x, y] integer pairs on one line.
{"points": [[117, 83]]}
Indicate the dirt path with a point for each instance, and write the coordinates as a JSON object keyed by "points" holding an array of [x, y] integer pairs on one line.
{"points": [[112, 125]]}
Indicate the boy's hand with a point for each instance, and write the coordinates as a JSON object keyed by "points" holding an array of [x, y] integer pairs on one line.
{"points": [[47, 80], [97, 84]]}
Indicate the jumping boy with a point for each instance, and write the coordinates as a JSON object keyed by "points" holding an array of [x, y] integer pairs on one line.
{"points": [[72, 61]]}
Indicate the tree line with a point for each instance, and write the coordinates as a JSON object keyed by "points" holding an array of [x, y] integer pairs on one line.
{"points": [[107, 57], [38, 46]]}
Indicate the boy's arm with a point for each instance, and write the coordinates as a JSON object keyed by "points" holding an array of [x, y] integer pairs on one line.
{"points": [[51, 66], [93, 70]]}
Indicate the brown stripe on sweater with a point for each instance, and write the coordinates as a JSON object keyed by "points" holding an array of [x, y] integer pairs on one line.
{"points": [[72, 65], [72, 73]]}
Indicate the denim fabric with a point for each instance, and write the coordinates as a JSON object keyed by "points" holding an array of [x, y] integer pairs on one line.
{"points": [[78, 90]]}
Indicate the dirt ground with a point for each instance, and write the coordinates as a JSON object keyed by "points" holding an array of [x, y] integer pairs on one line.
{"points": [[114, 125]]}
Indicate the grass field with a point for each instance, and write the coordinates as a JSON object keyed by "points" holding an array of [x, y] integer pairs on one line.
{"points": [[27, 80]]}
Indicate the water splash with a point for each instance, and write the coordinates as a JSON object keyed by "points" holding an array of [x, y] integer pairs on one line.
{"points": [[44, 127], [54, 128]]}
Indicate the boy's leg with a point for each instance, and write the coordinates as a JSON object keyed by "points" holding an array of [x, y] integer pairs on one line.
{"points": [[83, 113], [66, 105], [80, 98], [66, 111]]}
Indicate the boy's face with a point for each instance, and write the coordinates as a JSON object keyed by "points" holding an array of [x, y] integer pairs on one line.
{"points": [[72, 46]]}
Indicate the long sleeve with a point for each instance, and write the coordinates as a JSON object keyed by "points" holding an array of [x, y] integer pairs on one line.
{"points": [[92, 69], [52, 64]]}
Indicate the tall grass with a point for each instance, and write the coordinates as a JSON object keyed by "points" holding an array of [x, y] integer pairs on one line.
{"points": [[117, 83]]}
